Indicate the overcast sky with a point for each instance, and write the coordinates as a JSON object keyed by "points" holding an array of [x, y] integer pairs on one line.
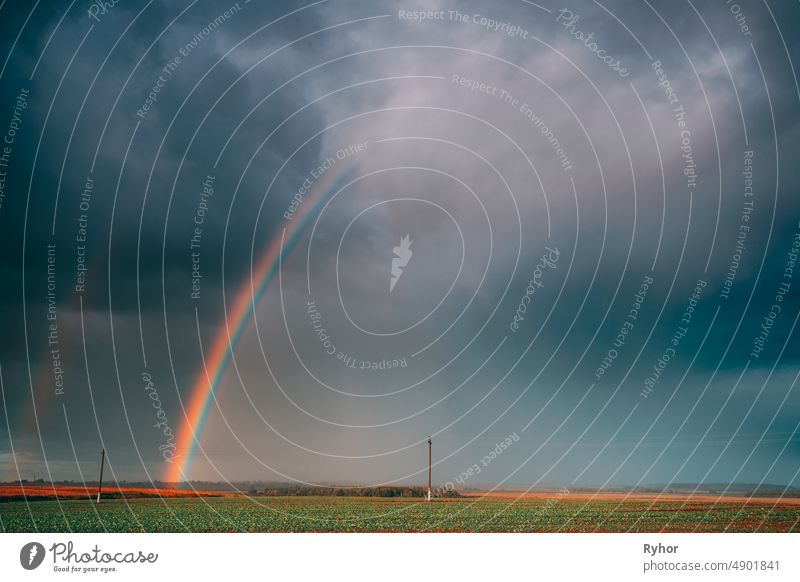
{"points": [[601, 200]]}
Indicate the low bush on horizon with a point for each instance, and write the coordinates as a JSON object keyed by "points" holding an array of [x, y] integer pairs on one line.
{"points": [[343, 491]]}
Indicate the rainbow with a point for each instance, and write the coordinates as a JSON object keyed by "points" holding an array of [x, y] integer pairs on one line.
{"points": [[211, 371]]}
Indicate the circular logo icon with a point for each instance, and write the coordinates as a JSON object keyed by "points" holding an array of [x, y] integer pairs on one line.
{"points": [[31, 555]]}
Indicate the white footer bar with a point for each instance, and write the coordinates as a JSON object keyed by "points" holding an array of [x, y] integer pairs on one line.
{"points": [[332, 557]]}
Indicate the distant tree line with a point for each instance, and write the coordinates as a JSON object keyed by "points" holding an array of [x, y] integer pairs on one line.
{"points": [[310, 490]]}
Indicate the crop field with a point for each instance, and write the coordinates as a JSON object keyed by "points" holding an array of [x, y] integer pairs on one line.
{"points": [[39, 492], [355, 514]]}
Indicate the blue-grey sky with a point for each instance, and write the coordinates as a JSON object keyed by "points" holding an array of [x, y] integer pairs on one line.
{"points": [[601, 201]]}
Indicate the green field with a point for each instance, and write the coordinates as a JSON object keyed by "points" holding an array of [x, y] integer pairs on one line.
{"points": [[332, 514]]}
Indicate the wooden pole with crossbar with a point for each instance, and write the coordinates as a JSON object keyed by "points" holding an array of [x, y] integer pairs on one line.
{"points": [[429, 467], [100, 484]]}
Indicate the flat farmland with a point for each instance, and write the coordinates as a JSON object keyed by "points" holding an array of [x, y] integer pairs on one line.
{"points": [[538, 513], [64, 492]]}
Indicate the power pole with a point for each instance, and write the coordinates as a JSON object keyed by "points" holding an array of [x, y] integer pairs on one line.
{"points": [[102, 462], [429, 467]]}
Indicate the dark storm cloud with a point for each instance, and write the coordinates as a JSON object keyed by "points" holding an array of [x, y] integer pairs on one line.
{"points": [[622, 225], [118, 91]]}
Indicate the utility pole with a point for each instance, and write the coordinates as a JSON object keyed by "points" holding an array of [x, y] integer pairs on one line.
{"points": [[429, 467], [102, 462]]}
